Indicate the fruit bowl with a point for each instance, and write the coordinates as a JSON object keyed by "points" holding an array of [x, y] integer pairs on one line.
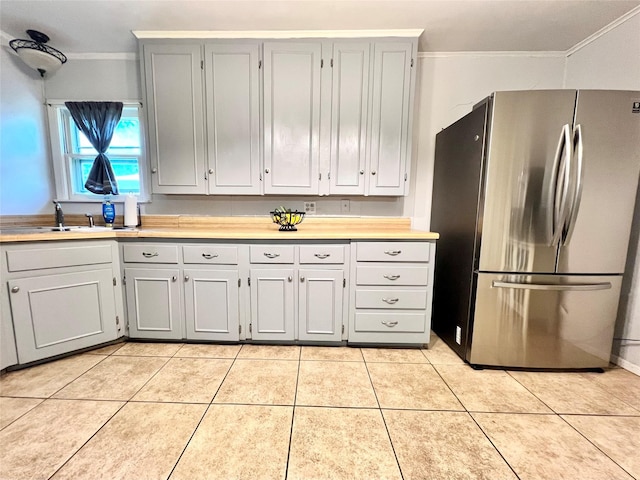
{"points": [[287, 219]]}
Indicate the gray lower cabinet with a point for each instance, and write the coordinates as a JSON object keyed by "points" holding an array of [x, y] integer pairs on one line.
{"points": [[153, 303], [59, 299], [272, 304], [211, 304], [320, 304], [391, 292]]}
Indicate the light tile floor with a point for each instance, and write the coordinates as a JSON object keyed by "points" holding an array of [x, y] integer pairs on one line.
{"points": [[156, 411]]}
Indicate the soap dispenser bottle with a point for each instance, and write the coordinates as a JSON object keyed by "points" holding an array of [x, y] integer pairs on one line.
{"points": [[108, 212]]}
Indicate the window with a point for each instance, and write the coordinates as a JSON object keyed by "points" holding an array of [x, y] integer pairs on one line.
{"points": [[73, 154]]}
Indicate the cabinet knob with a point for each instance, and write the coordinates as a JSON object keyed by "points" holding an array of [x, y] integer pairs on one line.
{"points": [[174, 279], [211, 171], [15, 289], [186, 278], [301, 279], [154, 170], [361, 172], [266, 170], [373, 172], [290, 279]]}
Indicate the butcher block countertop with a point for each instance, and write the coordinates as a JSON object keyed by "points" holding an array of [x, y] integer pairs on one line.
{"points": [[38, 228]]}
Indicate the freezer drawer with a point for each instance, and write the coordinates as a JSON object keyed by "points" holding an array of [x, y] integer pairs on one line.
{"points": [[544, 321]]}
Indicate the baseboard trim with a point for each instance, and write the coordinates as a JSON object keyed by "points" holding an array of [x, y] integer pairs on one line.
{"points": [[626, 364]]}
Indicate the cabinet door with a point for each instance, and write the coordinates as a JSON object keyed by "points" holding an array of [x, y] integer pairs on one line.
{"points": [[272, 304], [56, 314], [153, 303], [320, 305], [211, 304], [349, 105], [390, 118], [173, 82], [233, 128], [291, 117]]}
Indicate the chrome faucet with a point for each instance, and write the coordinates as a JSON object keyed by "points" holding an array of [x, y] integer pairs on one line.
{"points": [[59, 215], [90, 218]]}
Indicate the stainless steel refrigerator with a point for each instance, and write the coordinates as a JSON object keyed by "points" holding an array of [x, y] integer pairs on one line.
{"points": [[533, 198]]}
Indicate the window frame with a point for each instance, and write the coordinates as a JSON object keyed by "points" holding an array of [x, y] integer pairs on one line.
{"points": [[60, 141]]}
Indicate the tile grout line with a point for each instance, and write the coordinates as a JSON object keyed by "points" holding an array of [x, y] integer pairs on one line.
{"points": [[470, 415], [384, 420], [204, 414], [89, 439], [293, 416], [596, 446]]}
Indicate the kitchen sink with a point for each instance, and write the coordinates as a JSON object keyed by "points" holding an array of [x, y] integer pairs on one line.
{"points": [[47, 229]]}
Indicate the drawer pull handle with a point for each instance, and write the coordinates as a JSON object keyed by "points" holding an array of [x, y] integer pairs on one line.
{"points": [[149, 254], [209, 256], [271, 255], [322, 256], [393, 253], [390, 301], [391, 277], [390, 324]]}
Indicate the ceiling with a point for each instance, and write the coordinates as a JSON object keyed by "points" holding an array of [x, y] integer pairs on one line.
{"points": [[104, 26]]}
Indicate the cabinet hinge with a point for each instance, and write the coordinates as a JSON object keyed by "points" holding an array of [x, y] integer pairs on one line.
{"points": [[320, 176], [201, 64], [412, 63], [117, 320], [331, 63], [259, 64], [405, 177], [124, 280], [343, 329], [250, 331], [115, 282], [239, 328], [249, 281], [239, 282], [328, 175], [344, 283], [321, 63]]}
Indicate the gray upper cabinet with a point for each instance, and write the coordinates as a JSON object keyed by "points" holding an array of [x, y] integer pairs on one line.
{"points": [[175, 113], [391, 112], [233, 120], [323, 116], [349, 109], [292, 117]]}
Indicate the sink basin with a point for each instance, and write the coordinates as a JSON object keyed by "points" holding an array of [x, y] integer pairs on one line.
{"points": [[47, 229]]}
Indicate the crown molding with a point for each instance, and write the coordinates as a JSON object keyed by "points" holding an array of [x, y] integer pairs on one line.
{"points": [[541, 54], [603, 31], [276, 34]]}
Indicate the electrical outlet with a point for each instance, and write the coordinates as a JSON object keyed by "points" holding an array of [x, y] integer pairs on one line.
{"points": [[310, 208], [345, 206]]}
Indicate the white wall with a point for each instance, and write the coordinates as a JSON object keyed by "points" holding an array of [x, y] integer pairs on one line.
{"points": [[612, 61], [26, 178]]}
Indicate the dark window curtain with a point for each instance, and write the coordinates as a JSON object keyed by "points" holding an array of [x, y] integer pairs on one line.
{"points": [[98, 120]]}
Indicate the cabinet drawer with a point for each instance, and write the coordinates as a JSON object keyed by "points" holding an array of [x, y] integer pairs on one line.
{"points": [[210, 254], [271, 253], [34, 259], [151, 253], [392, 275], [322, 254], [393, 251], [390, 322], [391, 298]]}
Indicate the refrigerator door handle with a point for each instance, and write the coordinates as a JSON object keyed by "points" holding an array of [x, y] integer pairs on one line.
{"points": [[577, 191], [562, 287], [560, 183]]}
